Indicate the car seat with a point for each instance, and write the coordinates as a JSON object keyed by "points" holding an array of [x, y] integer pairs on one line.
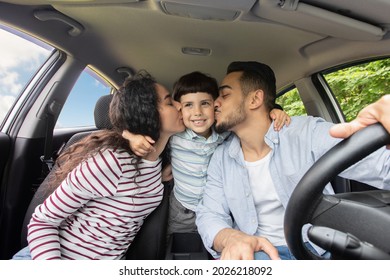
{"points": [[150, 241]]}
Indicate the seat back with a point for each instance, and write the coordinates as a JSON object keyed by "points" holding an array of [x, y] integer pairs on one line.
{"points": [[102, 121], [150, 242]]}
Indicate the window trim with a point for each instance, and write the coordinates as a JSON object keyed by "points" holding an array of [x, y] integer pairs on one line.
{"points": [[28, 96], [328, 98], [326, 91]]}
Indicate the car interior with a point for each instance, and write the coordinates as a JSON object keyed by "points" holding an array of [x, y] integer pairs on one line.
{"points": [[302, 40]]}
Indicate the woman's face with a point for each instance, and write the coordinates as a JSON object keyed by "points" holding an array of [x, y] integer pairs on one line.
{"points": [[170, 114]]}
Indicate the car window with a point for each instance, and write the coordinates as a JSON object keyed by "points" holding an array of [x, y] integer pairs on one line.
{"points": [[291, 102], [21, 56], [80, 104], [359, 85]]}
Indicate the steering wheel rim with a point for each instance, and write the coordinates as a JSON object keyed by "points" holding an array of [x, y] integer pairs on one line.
{"points": [[308, 193]]}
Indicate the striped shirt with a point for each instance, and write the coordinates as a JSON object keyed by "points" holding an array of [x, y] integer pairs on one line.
{"points": [[191, 155], [97, 210]]}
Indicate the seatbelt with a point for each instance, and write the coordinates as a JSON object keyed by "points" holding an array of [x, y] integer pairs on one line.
{"points": [[47, 158]]}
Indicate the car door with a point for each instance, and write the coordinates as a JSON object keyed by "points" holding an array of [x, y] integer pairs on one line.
{"points": [[26, 65], [45, 107]]}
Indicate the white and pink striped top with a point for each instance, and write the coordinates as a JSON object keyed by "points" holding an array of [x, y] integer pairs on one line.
{"points": [[97, 210]]}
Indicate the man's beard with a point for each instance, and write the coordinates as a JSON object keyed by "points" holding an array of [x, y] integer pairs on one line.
{"points": [[237, 117]]}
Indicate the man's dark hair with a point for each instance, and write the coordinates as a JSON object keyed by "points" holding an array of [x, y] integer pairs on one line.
{"points": [[256, 75]]}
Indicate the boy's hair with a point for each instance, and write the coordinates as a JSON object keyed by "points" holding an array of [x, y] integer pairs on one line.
{"points": [[195, 82], [256, 75]]}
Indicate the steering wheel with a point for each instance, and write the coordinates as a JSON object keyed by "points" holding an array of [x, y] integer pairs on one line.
{"points": [[349, 225]]}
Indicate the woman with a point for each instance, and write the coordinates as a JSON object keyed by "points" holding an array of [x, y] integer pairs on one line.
{"points": [[105, 191]]}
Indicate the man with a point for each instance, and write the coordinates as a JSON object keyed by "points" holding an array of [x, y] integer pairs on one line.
{"points": [[253, 173]]}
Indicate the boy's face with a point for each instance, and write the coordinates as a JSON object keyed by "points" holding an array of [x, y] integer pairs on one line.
{"points": [[198, 112]]}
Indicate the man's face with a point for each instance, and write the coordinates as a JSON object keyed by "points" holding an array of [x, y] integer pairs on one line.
{"points": [[230, 105]]}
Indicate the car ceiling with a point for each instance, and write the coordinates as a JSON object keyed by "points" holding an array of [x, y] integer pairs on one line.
{"points": [[296, 38]]}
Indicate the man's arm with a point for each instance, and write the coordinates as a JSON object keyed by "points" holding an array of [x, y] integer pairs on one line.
{"points": [[378, 111], [213, 213], [378, 175], [214, 220]]}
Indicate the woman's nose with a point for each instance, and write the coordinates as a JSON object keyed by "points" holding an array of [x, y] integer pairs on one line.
{"points": [[177, 105]]}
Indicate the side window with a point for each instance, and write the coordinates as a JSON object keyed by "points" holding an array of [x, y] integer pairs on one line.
{"points": [[79, 107], [21, 56], [357, 86], [291, 102]]}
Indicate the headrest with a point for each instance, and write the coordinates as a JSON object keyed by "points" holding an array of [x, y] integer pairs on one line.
{"points": [[101, 113]]}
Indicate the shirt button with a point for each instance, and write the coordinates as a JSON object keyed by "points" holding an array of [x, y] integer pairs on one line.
{"points": [[247, 194], [276, 141]]}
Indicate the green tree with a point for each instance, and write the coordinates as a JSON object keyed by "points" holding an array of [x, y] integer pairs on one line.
{"points": [[291, 103], [357, 86], [354, 88]]}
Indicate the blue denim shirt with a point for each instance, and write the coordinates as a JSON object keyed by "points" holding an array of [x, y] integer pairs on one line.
{"points": [[294, 150]]}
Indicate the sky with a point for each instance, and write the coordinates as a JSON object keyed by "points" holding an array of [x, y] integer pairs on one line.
{"points": [[19, 59]]}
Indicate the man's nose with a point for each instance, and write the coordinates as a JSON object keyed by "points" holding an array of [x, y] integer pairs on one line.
{"points": [[217, 104]]}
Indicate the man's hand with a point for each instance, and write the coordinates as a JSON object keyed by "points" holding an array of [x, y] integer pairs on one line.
{"points": [[373, 113], [236, 245]]}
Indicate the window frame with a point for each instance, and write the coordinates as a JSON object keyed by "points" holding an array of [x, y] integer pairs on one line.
{"points": [[26, 97], [327, 92], [286, 90]]}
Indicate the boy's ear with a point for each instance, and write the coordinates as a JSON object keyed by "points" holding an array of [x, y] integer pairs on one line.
{"points": [[256, 99]]}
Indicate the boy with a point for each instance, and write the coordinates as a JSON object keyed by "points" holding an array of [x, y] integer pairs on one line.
{"points": [[192, 149]]}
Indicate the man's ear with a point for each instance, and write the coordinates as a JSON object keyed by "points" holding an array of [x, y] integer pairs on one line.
{"points": [[256, 99]]}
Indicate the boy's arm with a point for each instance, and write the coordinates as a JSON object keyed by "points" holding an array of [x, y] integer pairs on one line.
{"points": [[279, 117], [140, 145]]}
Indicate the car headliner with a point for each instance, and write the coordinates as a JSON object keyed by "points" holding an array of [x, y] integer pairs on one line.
{"points": [[141, 35]]}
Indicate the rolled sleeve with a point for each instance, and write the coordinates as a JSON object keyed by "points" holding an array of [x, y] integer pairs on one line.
{"points": [[212, 213]]}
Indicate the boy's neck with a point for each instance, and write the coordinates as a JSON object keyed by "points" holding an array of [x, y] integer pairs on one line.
{"points": [[205, 134]]}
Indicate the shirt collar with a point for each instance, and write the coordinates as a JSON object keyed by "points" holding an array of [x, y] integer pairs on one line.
{"points": [[272, 136], [214, 137]]}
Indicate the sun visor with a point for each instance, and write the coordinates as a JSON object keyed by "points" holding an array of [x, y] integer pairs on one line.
{"points": [[317, 20], [227, 10]]}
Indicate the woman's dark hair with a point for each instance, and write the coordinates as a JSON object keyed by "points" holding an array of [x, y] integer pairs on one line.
{"points": [[195, 82], [134, 107]]}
